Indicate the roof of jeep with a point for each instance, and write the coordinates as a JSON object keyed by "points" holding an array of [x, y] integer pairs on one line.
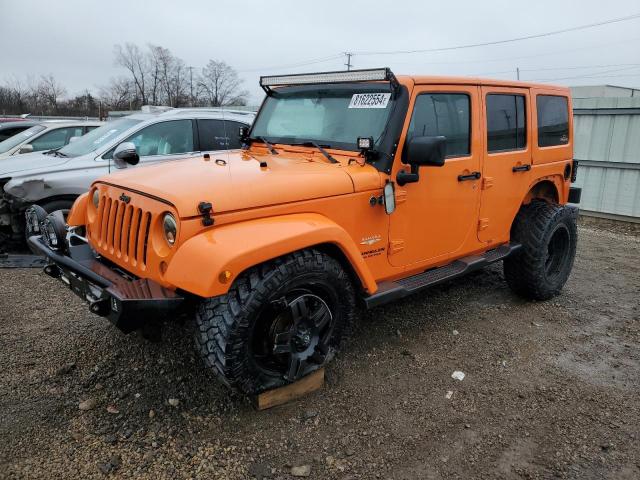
{"points": [[490, 82]]}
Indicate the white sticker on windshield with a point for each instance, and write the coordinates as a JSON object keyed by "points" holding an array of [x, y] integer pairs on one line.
{"points": [[105, 136], [370, 100]]}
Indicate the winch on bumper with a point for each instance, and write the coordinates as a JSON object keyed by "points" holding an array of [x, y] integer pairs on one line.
{"points": [[127, 302]]}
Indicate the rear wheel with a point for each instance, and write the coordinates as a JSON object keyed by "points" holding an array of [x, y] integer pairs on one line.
{"points": [[279, 321], [548, 235]]}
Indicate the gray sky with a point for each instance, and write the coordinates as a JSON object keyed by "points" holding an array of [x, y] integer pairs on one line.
{"points": [[74, 39]]}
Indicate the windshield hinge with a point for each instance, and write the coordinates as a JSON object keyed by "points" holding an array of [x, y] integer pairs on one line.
{"points": [[205, 209]]}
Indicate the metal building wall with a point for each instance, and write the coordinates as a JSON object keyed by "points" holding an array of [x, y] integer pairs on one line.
{"points": [[607, 145]]}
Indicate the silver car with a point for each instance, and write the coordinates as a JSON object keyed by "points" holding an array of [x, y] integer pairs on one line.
{"points": [[47, 135], [53, 179]]}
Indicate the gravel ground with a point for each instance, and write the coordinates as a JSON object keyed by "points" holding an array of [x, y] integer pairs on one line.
{"points": [[551, 389]]}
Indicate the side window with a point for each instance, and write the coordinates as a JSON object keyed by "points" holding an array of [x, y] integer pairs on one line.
{"points": [[553, 120], [164, 138], [55, 138], [506, 123], [445, 114], [218, 134], [233, 131]]}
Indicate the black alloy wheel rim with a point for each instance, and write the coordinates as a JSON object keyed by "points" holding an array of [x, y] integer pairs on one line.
{"points": [[557, 254], [292, 335]]}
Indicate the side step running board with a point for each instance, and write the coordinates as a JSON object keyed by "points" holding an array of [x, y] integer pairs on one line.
{"points": [[394, 290]]}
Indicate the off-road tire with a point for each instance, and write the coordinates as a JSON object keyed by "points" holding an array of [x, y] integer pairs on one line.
{"points": [[548, 235], [225, 324], [52, 206]]}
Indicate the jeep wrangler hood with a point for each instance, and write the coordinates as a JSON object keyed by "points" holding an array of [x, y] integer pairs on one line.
{"points": [[236, 181]]}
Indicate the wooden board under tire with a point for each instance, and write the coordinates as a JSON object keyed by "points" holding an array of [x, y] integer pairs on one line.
{"points": [[293, 391]]}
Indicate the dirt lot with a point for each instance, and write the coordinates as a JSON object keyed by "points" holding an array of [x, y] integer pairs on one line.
{"points": [[551, 389]]}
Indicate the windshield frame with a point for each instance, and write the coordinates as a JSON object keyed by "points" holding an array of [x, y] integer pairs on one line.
{"points": [[387, 145], [28, 138]]}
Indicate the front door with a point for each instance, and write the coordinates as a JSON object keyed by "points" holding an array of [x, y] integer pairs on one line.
{"points": [[437, 215]]}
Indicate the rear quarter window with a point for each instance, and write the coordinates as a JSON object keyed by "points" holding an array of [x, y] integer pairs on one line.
{"points": [[553, 120]]}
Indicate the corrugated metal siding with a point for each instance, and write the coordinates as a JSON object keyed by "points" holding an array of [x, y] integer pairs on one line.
{"points": [[608, 146]]}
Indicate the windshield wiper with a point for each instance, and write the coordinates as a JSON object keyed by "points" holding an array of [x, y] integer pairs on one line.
{"points": [[319, 147], [272, 150], [55, 153]]}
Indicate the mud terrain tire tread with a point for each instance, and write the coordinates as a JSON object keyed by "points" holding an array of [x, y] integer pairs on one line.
{"points": [[525, 270], [223, 323]]}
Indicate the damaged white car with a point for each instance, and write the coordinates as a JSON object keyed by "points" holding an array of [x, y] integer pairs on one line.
{"points": [[55, 178]]}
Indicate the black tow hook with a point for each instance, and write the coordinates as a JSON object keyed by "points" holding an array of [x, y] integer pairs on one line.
{"points": [[53, 271], [100, 307]]}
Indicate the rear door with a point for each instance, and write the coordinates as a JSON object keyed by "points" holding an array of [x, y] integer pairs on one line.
{"points": [[506, 159], [218, 134]]}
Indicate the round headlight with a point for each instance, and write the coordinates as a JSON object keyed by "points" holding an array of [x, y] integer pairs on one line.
{"points": [[170, 228], [96, 198]]}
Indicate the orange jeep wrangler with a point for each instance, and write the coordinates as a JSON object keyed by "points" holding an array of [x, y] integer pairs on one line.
{"points": [[352, 188]]}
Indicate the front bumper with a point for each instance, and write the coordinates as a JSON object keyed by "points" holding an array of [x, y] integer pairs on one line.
{"points": [[127, 302]]}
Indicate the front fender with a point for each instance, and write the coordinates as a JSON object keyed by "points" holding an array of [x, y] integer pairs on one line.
{"points": [[78, 213], [235, 247]]}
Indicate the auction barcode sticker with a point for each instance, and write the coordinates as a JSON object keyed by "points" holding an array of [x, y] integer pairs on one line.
{"points": [[369, 100]]}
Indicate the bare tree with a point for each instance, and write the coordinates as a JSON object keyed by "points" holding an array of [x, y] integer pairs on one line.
{"points": [[136, 62], [50, 91], [119, 94], [220, 85]]}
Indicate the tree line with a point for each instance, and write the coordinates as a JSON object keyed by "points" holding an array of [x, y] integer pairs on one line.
{"points": [[151, 76]]}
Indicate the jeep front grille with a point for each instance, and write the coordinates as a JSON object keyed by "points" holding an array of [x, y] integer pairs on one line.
{"points": [[121, 230]]}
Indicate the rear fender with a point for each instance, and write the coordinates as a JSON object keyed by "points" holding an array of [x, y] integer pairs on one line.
{"points": [[198, 263]]}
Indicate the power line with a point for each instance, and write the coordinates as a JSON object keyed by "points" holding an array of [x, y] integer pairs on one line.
{"points": [[499, 42], [559, 68]]}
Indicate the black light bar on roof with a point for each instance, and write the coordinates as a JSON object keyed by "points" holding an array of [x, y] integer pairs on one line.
{"points": [[370, 75]]}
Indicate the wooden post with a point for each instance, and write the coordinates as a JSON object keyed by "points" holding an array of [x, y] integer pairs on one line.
{"points": [[293, 391]]}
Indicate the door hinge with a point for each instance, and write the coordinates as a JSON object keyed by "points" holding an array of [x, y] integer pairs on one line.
{"points": [[395, 246], [401, 196], [483, 223], [487, 182]]}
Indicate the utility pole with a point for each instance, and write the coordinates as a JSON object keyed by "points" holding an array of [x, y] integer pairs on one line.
{"points": [[191, 83], [348, 64], [518, 73]]}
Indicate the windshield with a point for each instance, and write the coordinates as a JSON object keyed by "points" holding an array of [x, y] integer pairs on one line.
{"points": [[333, 117], [19, 138], [98, 137]]}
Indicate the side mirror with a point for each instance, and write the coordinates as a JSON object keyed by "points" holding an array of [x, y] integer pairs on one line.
{"points": [[28, 148], [427, 151], [389, 197], [73, 139], [422, 152], [124, 154]]}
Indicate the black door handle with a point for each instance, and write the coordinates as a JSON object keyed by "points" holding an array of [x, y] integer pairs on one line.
{"points": [[471, 176], [522, 168]]}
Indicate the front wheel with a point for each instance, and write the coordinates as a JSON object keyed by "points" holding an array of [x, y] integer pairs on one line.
{"points": [[279, 322], [548, 235]]}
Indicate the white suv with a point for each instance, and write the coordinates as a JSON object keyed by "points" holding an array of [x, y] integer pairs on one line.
{"points": [[53, 179]]}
